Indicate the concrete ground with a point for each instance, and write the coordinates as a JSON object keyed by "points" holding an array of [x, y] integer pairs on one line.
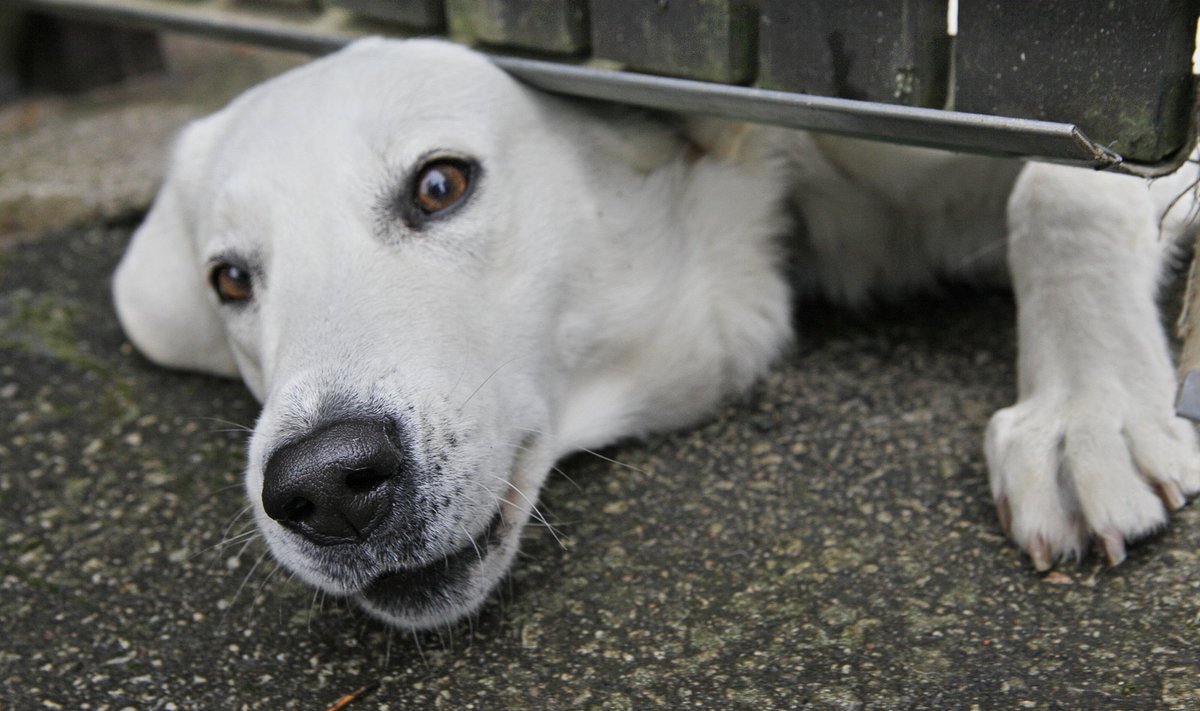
{"points": [[826, 543]]}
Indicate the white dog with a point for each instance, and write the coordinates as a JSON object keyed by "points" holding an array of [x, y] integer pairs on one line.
{"points": [[439, 281]]}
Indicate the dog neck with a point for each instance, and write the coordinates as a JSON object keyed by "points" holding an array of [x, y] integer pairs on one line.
{"points": [[677, 297]]}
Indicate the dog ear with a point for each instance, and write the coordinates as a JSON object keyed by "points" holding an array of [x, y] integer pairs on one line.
{"points": [[159, 288]]}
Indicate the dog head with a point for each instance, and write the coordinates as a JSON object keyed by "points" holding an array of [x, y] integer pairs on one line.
{"points": [[438, 281]]}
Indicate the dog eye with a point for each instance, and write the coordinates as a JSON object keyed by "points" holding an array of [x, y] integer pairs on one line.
{"points": [[441, 185], [232, 283]]}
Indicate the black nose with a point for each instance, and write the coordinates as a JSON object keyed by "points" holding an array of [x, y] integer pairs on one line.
{"points": [[332, 486]]}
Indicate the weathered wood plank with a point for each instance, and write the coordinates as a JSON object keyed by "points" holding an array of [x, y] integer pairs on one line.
{"points": [[558, 26], [699, 39], [1121, 71], [892, 51], [416, 14]]}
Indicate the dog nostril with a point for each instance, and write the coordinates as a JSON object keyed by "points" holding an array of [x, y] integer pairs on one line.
{"points": [[298, 509], [361, 481]]}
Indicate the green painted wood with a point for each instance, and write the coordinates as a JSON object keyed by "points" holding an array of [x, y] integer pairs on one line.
{"points": [[291, 4], [891, 51], [699, 39], [416, 14], [1121, 71], [557, 26]]}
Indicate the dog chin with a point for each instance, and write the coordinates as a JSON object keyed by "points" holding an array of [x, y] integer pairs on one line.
{"points": [[456, 585], [447, 589]]}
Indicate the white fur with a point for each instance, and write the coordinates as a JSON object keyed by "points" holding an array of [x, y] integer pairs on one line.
{"points": [[606, 279]]}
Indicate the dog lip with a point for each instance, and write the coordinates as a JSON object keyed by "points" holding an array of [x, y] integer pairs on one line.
{"points": [[425, 585]]}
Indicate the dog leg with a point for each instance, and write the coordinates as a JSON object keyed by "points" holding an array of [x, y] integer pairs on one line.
{"points": [[1092, 448]]}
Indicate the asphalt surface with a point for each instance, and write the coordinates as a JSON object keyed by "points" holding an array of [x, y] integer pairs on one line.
{"points": [[827, 542]]}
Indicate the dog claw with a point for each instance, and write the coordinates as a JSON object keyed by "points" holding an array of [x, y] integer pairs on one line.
{"points": [[1171, 495], [1114, 547], [1004, 514], [1039, 552]]}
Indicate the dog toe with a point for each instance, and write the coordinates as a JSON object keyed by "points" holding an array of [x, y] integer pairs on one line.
{"points": [[1064, 474], [1114, 546], [1171, 495], [1041, 554]]}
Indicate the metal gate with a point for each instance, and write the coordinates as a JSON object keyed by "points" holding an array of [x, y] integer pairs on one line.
{"points": [[1101, 84]]}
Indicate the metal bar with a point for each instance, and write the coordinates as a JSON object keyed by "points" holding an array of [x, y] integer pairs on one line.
{"points": [[332, 28], [317, 34], [903, 124]]}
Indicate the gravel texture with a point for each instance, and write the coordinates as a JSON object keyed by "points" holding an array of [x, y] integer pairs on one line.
{"points": [[827, 543]]}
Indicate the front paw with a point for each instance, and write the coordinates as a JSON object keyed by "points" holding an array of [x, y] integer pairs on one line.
{"points": [[1066, 472]]}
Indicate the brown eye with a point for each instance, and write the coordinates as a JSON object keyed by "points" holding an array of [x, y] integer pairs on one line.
{"points": [[232, 283], [441, 185]]}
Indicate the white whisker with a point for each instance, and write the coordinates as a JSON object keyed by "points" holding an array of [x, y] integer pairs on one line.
{"points": [[533, 509], [564, 475], [267, 579], [594, 453], [491, 375], [234, 519], [234, 426], [311, 606], [220, 546], [387, 648], [420, 651], [553, 468], [227, 487], [610, 460], [462, 371], [1193, 211], [246, 579], [243, 548], [478, 553], [969, 260]]}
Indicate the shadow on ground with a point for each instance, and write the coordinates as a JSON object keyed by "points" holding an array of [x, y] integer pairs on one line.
{"points": [[826, 543]]}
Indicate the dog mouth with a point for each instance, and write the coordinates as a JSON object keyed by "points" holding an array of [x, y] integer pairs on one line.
{"points": [[398, 575], [440, 583]]}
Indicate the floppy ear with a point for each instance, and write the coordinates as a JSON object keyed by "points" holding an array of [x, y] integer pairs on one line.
{"points": [[159, 288]]}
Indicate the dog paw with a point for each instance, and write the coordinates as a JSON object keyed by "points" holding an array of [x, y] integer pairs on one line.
{"points": [[1064, 474]]}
